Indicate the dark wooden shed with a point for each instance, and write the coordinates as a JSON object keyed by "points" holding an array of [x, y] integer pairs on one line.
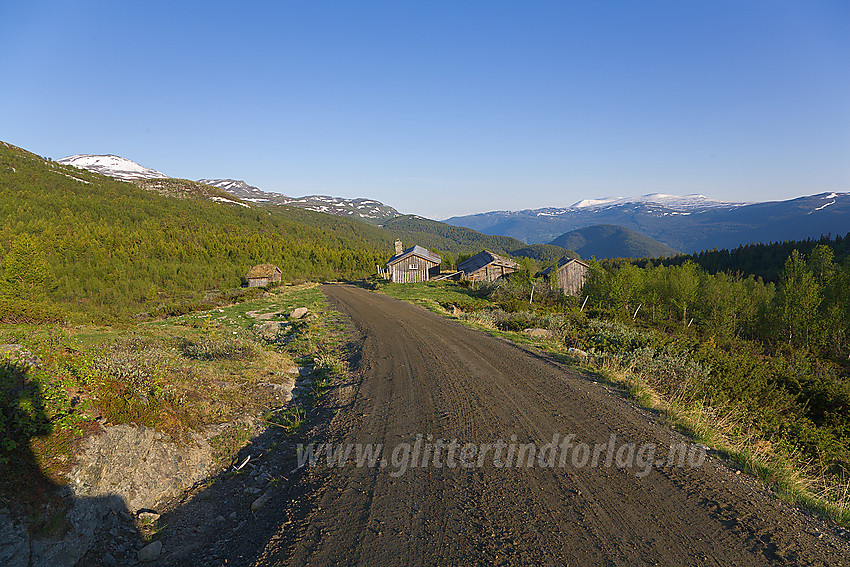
{"points": [[572, 274], [416, 264], [263, 274], [486, 266]]}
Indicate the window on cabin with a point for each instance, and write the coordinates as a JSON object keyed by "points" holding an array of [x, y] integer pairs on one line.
{"points": [[413, 267]]}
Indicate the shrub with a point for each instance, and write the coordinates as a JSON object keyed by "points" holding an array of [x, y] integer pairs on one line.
{"points": [[484, 318], [28, 312], [214, 348]]}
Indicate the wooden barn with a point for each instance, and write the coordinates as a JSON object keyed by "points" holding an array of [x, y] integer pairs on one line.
{"points": [[416, 264], [487, 267], [572, 274], [264, 274]]}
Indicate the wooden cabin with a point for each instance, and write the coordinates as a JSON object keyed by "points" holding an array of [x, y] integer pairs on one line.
{"points": [[263, 275], [487, 267], [572, 274], [416, 264]]}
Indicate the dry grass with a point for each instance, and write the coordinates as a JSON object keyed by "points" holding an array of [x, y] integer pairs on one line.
{"points": [[725, 430]]}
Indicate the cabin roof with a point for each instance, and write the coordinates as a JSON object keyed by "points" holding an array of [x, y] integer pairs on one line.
{"points": [[561, 263], [418, 251], [482, 259], [262, 271]]}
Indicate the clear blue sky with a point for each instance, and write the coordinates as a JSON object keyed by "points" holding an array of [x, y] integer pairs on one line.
{"points": [[442, 107]]}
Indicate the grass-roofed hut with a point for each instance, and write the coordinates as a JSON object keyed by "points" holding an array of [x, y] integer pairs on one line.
{"points": [[262, 275]]}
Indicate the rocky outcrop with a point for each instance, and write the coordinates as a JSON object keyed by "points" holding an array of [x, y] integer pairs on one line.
{"points": [[137, 464], [14, 542], [123, 469], [87, 520]]}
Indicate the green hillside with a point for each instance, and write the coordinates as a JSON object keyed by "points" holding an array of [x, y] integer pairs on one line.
{"points": [[111, 248], [456, 240], [612, 241]]}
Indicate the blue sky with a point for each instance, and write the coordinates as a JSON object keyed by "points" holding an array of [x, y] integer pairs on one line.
{"points": [[442, 107]]}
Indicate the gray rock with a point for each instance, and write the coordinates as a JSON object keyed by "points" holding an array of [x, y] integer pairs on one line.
{"points": [[87, 518], [14, 542], [576, 352], [128, 461], [298, 313], [269, 329], [109, 561], [150, 552], [261, 501]]}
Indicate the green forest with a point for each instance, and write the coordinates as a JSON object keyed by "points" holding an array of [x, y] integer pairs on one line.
{"points": [[772, 357], [757, 259], [108, 248]]}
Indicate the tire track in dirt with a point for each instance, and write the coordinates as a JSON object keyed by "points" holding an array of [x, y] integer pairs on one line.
{"points": [[422, 374]]}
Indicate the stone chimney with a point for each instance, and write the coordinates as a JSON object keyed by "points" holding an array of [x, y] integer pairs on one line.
{"points": [[398, 248]]}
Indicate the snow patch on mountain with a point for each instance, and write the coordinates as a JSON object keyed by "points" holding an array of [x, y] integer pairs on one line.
{"points": [[112, 166], [681, 203], [366, 209]]}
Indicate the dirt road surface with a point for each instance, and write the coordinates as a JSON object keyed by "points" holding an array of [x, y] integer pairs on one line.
{"points": [[420, 374]]}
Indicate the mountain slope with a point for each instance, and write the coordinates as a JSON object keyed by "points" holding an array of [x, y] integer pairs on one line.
{"points": [[367, 210], [688, 229], [115, 249], [612, 241], [121, 168], [455, 240]]}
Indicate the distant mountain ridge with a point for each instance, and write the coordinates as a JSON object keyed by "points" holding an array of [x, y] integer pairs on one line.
{"points": [[612, 241], [368, 210], [693, 202], [683, 223]]}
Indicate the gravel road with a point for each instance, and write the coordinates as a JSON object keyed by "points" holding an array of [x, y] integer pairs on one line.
{"points": [[420, 375]]}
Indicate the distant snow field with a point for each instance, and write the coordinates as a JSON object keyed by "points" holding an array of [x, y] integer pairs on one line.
{"points": [[112, 166]]}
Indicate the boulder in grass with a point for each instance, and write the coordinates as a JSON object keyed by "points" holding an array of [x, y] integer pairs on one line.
{"points": [[576, 352], [298, 313]]}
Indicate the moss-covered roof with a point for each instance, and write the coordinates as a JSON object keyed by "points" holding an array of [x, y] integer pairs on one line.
{"points": [[262, 271]]}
